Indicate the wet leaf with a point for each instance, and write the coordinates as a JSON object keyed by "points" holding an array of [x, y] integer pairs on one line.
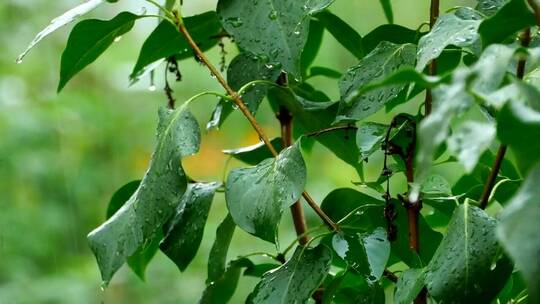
{"points": [[393, 33], [217, 258], [257, 196], [160, 191], [222, 289], [88, 40], [514, 16], [296, 280], [252, 155], [349, 287], [469, 141], [342, 32], [369, 137], [490, 7], [409, 285], [184, 231], [518, 232]]}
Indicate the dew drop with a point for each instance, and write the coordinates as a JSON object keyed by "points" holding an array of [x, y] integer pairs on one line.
{"points": [[118, 38]]}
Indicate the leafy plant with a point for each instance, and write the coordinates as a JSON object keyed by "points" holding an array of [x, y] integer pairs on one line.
{"points": [[475, 68]]}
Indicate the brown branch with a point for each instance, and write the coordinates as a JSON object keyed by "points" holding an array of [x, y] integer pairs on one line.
{"points": [[492, 178], [432, 68], [285, 121], [331, 129], [245, 111], [390, 276]]}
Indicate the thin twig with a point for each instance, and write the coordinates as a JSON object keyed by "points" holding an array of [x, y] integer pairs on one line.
{"points": [[243, 108], [492, 178], [331, 129]]}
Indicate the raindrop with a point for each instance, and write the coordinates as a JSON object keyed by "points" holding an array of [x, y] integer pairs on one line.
{"points": [[152, 88], [118, 38]]}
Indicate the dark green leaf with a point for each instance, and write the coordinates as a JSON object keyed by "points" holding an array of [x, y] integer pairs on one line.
{"points": [[464, 269], [276, 30], [516, 123], [257, 196], [145, 213], [342, 32], [88, 40], [121, 196], [512, 17], [340, 202], [377, 65], [348, 287], [217, 258], [369, 138], [389, 32], [296, 280], [322, 71], [255, 154], [184, 231], [60, 21], [448, 30], [260, 269], [387, 7], [222, 289], [409, 285], [165, 41], [518, 231], [223, 109], [313, 44]]}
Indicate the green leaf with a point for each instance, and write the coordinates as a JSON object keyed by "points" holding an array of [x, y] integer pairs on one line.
{"points": [[369, 137], [276, 30], [322, 71], [469, 141], [255, 154], [60, 21], [166, 41], [149, 208], [393, 33], [222, 289], [223, 109], [245, 68], [515, 125], [88, 40], [296, 280], [518, 232], [257, 196], [366, 253], [387, 7], [313, 44], [489, 7], [342, 32], [349, 287], [448, 30], [139, 260], [184, 231], [217, 258], [340, 202], [383, 61], [436, 185], [464, 269], [409, 285], [259, 270], [511, 18]]}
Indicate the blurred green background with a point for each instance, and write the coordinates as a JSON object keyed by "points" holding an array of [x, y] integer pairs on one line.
{"points": [[63, 155]]}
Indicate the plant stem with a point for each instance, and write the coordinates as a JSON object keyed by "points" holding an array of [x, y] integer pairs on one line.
{"points": [[243, 108], [432, 68], [492, 178], [285, 121], [536, 10]]}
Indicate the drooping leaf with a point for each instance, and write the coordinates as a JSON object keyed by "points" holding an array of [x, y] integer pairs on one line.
{"points": [[342, 32], [223, 109], [393, 33], [257, 196], [469, 141], [366, 253], [148, 209], [409, 285], [514, 16], [217, 258], [518, 232], [369, 138], [313, 44], [222, 289], [184, 231], [387, 7], [322, 71], [61, 21], [88, 40], [465, 268], [380, 63], [166, 41], [296, 280], [139, 260], [448, 30], [255, 154], [516, 123], [273, 29]]}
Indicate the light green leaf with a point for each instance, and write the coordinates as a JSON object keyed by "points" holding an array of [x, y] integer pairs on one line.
{"points": [[489, 7], [464, 269], [383, 61], [469, 141], [184, 231], [436, 185], [518, 232], [448, 30], [342, 32], [166, 41], [145, 213], [276, 30], [61, 21], [369, 138], [296, 280], [217, 258], [88, 40], [515, 15], [409, 285], [255, 154], [257, 196]]}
